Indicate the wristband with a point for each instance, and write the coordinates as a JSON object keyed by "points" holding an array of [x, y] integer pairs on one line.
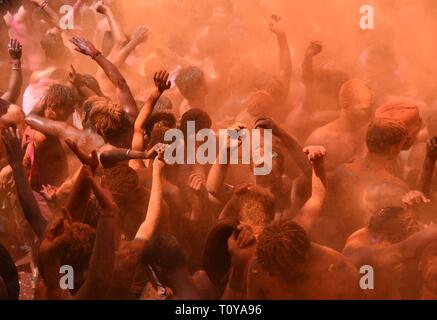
{"points": [[95, 55], [16, 64]]}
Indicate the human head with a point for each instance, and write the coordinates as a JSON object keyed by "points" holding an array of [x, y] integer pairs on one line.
{"points": [[282, 249], [165, 255], [428, 267], [78, 248], [58, 102], [406, 112], [392, 224], [386, 137], [256, 206], [108, 118], [356, 100], [201, 119], [191, 83], [159, 119]]}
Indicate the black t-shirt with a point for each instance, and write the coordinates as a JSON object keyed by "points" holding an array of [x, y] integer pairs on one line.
{"points": [[9, 274]]}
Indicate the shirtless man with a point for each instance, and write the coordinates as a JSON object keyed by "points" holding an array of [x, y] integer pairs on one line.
{"points": [[409, 114], [57, 105], [288, 266], [391, 244], [344, 138], [356, 190]]}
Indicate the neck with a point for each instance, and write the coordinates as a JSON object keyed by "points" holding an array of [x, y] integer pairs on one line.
{"points": [[376, 161], [349, 124]]}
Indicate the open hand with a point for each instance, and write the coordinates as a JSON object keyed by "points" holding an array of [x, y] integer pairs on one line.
{"points": [[161, 81], [85, 47], [15, 49]]}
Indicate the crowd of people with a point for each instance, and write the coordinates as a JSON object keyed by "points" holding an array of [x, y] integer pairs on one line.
{"points": [[84, 181]]}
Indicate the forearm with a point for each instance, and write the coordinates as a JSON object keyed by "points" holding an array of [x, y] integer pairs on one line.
{"points": [[125, 97], [15, 83], [44, 125], [120, 57], [101, 266], [28, 202], [426, 175], [110, 158], [79, 197], [116, 29], [49, 268], [285, 61], [149, 227], [307, 68], [310, 212]]}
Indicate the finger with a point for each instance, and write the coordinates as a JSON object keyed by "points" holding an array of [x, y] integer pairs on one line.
{"points": [[250, 238], [166, 75]]}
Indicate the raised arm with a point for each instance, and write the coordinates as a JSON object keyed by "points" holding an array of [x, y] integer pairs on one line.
{"points": [[124, 95], [16, 79], [161, 84], [427, 173], [77, 202], [217, 174], [109, 158], [101, 265], [119, 36], [314, 48], [28, 202], [309, 213], [277, 27], [150, 225]]}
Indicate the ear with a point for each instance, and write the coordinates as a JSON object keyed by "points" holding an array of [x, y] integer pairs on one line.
{"points": [[49, 113]]}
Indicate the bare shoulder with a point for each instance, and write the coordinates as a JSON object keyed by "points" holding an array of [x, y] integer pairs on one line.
{"points": [[322, 135], [332, 261], [355, 241]]}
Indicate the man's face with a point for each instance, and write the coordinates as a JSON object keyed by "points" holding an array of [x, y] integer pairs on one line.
{"points": [[361, 106]]}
